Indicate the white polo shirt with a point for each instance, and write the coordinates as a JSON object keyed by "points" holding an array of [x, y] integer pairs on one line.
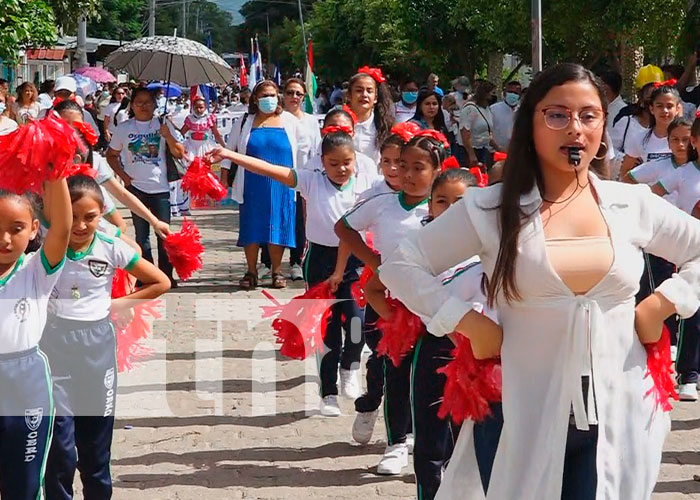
{"points": [[388, 218], [84, 290], [363, 163], [366, 138], [651, 172], [503, 117], [24, 297], [653, 149], [326, 202], [684, 182]]}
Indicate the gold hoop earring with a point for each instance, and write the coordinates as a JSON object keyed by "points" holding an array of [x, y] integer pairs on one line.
{"points": [[604, 154]]}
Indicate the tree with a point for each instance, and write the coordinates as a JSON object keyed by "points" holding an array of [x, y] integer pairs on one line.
{"points": [[120, 19], [67, 12], [25, 23]]}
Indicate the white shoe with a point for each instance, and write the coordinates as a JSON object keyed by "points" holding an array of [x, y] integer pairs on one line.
{"points": [[363, 426], [688, 392], [410, 442], [350, 383], [263, 271], [329, 406], [296, 274], [674, 351], [394, 460]]}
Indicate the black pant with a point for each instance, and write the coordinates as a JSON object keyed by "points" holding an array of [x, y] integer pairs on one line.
{"points": [[371, 399], [84, 369], [318, 266], [159, 205], [688, 356], [435, 437], [580, 475], [656, 271], [296, 253]]}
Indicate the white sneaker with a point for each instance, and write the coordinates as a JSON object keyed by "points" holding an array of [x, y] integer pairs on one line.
{"points": [[264, 271], [394, 460], [350, 383], [410, 442], [329, 406], [688, 392], [296, 274], [363, 426], [674, 351]]}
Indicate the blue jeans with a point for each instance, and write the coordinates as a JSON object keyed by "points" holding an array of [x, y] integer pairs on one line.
{"points": [[159, 205]]}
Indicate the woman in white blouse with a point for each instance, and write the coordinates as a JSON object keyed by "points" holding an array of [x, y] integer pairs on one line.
{"points": [[580, 422]]}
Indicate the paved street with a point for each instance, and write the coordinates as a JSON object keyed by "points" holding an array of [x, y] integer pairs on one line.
{"points": [[215, 413]]}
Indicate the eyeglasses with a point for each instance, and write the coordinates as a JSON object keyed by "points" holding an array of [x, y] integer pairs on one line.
{"points": [[292, 93], [559, 117]]}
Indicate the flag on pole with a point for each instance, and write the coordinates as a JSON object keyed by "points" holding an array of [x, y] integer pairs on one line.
{"points": [[310, 81], [258, 61], [243, 74], [278, 75], [206, 92], [253, 77]]}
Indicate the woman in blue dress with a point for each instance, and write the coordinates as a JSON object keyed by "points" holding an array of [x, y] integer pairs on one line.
{"points": [[268, 211]]}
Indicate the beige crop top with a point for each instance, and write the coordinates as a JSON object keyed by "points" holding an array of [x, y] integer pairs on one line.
{"points": [[580, 262]]}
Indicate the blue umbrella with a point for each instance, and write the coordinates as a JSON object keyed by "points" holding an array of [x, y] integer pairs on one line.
{"points": [[169, 90]]}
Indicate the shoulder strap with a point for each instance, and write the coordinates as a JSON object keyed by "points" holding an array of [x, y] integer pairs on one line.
{"points": [[482, 115], [624, 136]]}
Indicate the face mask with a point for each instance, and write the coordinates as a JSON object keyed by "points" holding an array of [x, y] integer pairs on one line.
{"points": [[267, 104], [512, 99], [409, 97], [3, 107]]}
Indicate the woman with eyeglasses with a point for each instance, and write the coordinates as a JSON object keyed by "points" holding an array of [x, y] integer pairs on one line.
{"points": [[562, 253], [268, 208]]}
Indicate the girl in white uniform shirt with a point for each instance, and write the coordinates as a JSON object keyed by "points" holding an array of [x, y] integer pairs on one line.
{"points": [[563, 282], [390, 217], [370, 99], [26, 281], [80, 343], [329, 193], [653, 143]]}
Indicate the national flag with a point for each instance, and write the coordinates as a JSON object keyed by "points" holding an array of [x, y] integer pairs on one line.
{"points": [[206, 92], [258, 61], [278, 76], [253, 77], [243, 74], [310, 81]]}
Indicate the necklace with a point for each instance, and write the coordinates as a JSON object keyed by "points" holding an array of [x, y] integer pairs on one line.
{"points": [[578, 185]]}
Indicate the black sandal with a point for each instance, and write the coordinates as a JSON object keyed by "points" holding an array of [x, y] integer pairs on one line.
{"points": [[278, 281], [249, 281]]}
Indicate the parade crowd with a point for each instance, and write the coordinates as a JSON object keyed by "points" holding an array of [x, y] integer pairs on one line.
{"points": [[549, 231]]}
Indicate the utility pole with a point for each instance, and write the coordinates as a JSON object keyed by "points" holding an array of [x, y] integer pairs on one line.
{"points": [[303, 36], [536, 36], [81, 43], [269, 42], [152, 18], [183, 27]]}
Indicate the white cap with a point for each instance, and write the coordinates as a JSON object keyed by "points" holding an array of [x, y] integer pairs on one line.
{"points": [[66, 83]]}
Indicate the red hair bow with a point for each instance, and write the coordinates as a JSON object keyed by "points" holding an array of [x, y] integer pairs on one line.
{"points": [[449, 163], [352, 114], [499, 156], [58, 100], [82, 169], [87, 131], [331, 129], [697, 115], [406, 130], [668, 83], [434, 134], [375, 73], [482, 178]]}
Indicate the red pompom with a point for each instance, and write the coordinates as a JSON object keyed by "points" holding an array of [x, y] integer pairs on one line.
{"points": [[399, 333], [200, 182], [406, 130], [358, 288], [185, 250], [41, 150], [129, 347], [472, 384], [82, 169], [660, 368], [449, 163], [300, 326], [434, 134], [482, 178], [499, 156]]}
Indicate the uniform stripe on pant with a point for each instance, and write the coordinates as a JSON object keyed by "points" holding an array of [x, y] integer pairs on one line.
{"points": [[26, 421]]}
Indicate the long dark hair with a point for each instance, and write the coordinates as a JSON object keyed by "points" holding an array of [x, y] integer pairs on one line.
{"points": [[522, 172], [383, 108], [439, 120], [658, 92]]}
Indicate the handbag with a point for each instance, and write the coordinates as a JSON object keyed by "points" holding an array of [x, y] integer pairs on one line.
{"points": [[175, 168]]}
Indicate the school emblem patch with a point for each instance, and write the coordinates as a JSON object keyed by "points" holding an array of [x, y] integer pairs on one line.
{"points": [[109, 378], [32, 417], [22, 310], [97, 268]]}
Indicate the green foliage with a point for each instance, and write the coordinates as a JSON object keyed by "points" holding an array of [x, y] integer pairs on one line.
{"points": [[67, 12], [120, 19], [25, 23]]}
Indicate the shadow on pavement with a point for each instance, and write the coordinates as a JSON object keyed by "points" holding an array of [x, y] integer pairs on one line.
{"points": [[681, 457], [263, 421], [685, 486], [227, 386]]}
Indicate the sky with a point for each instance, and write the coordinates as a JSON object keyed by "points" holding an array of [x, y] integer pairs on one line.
{"points": [[232, 6]]}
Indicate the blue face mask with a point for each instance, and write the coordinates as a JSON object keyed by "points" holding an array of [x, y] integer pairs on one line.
{"points": [[409, 97], [512, 99], [267, 104]]}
